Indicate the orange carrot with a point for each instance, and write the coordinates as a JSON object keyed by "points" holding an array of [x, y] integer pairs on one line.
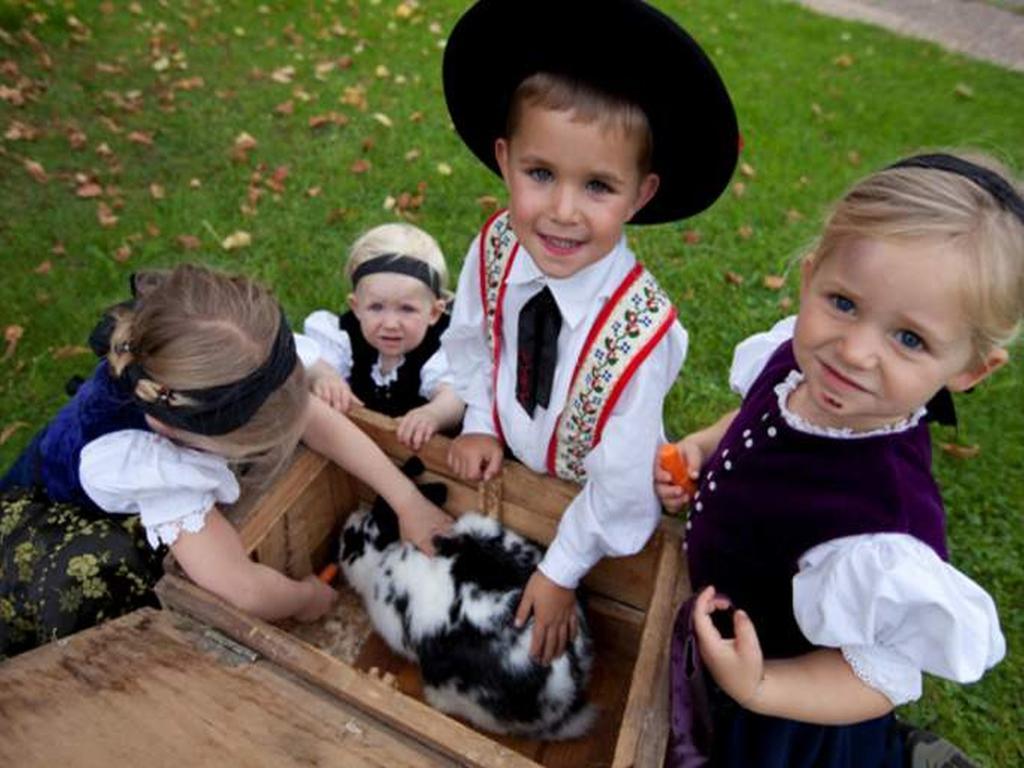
{"points": [[670, 459], [328, 573]]}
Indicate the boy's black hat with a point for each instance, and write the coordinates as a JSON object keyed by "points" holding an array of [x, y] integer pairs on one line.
{"points": [[623, 47]]}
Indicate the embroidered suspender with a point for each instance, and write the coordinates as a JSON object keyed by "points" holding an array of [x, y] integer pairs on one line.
{"points": [[628, 327]]}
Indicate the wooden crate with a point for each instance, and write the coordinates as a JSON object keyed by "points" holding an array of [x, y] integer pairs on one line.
{"points": [[293, 527]]}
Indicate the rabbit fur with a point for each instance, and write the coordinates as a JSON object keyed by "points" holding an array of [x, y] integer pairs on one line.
{"points": [[454, 615]]}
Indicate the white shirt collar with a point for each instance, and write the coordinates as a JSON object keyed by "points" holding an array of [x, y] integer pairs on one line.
{"points": [[577, 294]]}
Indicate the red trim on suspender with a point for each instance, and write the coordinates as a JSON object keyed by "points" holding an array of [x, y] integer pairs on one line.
{"points": [[599, 321], [628, 373], [496, 327]]}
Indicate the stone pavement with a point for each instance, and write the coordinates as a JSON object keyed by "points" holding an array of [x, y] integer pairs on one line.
{"points": [[975, 28]]}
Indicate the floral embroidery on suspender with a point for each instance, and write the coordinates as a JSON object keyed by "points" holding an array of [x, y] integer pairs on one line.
{"points": [[498, 248], [632, 323]]}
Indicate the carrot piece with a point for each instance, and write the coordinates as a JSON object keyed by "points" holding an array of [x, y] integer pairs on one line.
{"points": [[670, 459], [328, 573]]}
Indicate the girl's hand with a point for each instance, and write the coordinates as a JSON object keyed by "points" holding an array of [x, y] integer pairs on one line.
{"points": [[554, 616], [420, 522], [417, 427], [475, 456], [321, 598], [330, 387], [672, 496], [738, 664]]}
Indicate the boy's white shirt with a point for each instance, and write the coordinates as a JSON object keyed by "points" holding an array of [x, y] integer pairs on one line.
{"points": [[617, 510], [335, 349]]}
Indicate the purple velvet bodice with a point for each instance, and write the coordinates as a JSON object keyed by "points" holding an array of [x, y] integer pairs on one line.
{"points": [[771, 492]]}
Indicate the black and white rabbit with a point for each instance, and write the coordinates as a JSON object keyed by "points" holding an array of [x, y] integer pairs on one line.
{"points": [[453, 614]]}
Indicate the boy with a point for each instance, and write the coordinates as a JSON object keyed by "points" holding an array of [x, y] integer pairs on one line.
{"points": [[562, 346]]}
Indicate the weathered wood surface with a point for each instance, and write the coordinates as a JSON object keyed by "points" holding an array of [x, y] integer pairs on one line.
{"points": [[150, 689], [403, 713]]}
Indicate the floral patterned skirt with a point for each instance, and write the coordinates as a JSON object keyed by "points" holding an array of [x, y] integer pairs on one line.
{"points": [[64, 568]]}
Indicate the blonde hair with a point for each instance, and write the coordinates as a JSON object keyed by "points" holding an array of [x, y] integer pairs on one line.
{"points": [[194, 328], [400, 239], [588, 104], [911, 203]]}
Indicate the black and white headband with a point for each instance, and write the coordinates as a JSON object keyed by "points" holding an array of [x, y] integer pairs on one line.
{"points": [[402, 265], [985, 178]]}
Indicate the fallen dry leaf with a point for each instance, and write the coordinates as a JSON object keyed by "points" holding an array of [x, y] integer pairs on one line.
{"points": [[745, 232], [958, 451], [236, 240], [285, 107], [156, 191], [73, 350], [188, 242], [36, 171], [122, 254], [739, 189], [733, 278], [774, 282], [691, 236], [105, 215], [748, 170], [44, 267], [76, 138], [793, 215], [11, 335], [314, 191], [964, 91], [10, 429], [141, 137], [843, 60], [89, 190], [489, 203], [444, 169], [283, 75], [19, 131], [412, 154], [362, 165], [195, 183], [785, 303], [853, 157], [383, 119]]}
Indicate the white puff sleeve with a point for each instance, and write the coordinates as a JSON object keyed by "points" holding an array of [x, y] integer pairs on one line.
{"points": [[752, 354], [172, 488], [435, 373], [335, 345], [307, 350], [895, 610]]}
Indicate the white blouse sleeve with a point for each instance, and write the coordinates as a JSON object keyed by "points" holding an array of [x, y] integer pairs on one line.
{"points": [[307, 349], [895, 609], [172, 488], [752, 354], [435, 372], [335, 345]]}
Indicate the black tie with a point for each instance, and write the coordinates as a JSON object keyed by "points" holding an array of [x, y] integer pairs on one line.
{"points": [[539, 324]]}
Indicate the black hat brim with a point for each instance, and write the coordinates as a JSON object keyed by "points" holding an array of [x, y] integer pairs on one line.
{"points": [[623, 47]]}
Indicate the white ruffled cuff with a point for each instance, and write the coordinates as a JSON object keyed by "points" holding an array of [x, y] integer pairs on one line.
{"points": [[885, 671]]}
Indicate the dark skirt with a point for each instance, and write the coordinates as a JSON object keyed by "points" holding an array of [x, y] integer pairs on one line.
{"points": [[64, 567], [710, 729]]}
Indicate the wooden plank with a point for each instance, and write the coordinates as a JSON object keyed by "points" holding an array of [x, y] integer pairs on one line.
{"points": [[151, 689], [363, 691], [645, 722]]}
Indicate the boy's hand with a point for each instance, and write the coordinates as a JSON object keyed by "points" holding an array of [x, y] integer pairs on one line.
{"points": [[674, 497], [421, 521], [330, 387], [554, 616], [417, 427], [738, 664], [475, 456], [321, 598]]}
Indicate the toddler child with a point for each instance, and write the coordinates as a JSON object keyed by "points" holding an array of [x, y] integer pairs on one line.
{"points": [[199, 374], [816, 515], [385, 352], [561, 344]]}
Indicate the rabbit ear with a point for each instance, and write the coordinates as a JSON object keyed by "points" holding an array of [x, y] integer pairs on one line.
{"points": [[437, 493], [413, 467], [387, 523]]}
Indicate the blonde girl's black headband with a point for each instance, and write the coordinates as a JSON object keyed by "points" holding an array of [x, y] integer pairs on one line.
{"points": [[985, 178], [402, 265]]}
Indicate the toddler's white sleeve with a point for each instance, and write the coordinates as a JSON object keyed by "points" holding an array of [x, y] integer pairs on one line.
{"points": [[895, 610], [752, 354]]}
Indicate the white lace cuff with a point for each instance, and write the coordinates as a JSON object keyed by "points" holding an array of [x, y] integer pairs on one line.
{"points": [[887, 672], [167, 533]]}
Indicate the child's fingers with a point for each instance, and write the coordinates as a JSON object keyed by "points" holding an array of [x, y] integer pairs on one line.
{"points": [[574, 625], [747, 644], [523, 611], [554, 644]]}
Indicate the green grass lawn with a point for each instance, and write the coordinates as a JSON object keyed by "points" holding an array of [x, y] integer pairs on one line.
{"points": [[120, 129]]}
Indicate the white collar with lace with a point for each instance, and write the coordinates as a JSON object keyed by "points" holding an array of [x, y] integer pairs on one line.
{"points": [[382, 379], [786, 388]]}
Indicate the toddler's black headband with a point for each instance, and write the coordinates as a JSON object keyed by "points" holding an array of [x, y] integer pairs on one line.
{"points": [[987, 179], [402, 265], [226, 407]]}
